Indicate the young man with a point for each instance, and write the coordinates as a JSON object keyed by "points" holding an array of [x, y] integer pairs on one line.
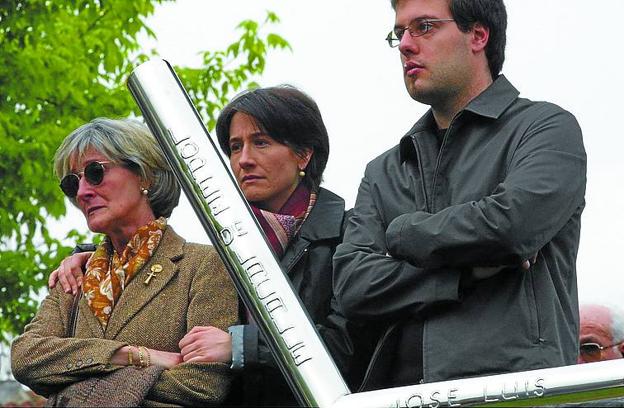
{"points": [[464, 236]]}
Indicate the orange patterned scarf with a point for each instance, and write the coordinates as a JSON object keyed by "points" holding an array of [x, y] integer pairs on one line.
{"points": [[108, 273]]}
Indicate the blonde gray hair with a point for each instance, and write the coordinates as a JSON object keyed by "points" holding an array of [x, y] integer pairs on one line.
{"points": [[129, 143]]}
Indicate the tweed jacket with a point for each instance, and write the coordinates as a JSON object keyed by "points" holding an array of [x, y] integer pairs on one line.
{"points": [[192, 289]]}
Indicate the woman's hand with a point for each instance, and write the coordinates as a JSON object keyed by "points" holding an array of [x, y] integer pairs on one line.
{"points": [[69, 272], [206, 345], [164, 359]]}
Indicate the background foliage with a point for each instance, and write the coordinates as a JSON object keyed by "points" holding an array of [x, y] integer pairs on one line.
{"points": [[63, 63]]}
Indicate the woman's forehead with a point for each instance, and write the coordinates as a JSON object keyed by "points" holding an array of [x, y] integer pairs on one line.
{"points": [[78, 159]]}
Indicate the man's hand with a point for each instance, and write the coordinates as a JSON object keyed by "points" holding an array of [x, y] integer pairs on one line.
{"points": [[69, 273], [484, 272], [206, 344], [526, 265]]}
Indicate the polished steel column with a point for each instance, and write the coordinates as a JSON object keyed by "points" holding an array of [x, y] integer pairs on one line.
{"points": [[232, 228]]}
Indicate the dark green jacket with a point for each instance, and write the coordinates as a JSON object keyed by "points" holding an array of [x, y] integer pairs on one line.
{"points": [[506, 182]]}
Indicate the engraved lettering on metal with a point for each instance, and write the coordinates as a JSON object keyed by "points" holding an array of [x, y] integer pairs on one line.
{"points": [[266, 291]]}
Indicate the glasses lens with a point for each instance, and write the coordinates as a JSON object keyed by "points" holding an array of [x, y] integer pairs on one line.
{"points": [[69, 185], [94, 173], [590, 350], [392, 39]]}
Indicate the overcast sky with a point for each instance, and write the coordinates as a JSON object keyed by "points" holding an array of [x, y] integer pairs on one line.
{"points": [[564, 51]]}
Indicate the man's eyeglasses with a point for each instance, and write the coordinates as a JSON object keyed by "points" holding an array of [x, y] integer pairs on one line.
{"points": [[93, 173], [416, 28], [592, 351]]}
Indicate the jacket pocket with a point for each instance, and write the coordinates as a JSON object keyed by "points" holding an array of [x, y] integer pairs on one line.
{"points": [[536, 331], [371, 370]]}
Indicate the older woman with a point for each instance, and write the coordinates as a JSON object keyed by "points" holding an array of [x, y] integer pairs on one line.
{"points": [[144, 289]]}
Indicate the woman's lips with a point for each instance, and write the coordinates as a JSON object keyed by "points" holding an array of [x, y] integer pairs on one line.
{"points": [[91, 210], [250, 178]]}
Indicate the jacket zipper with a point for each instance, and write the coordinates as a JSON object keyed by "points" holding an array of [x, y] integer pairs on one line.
{"points": [[422, 172], [439, 161], [297, 258]]}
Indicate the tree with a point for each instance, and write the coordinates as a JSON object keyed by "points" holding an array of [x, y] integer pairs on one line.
{"points": [[62, 64]]}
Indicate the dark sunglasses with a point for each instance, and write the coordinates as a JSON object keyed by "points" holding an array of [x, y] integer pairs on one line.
{"points": [[93, 173]]}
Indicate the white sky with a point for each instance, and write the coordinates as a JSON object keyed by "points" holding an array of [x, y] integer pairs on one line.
{"points": [[564, 51]]}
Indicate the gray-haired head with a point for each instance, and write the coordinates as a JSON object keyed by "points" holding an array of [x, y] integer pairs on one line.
{"points": [[617, 322], [129, 143]]}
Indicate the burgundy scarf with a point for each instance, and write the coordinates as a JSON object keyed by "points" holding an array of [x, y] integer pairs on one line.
{"points": [[282, 226]]}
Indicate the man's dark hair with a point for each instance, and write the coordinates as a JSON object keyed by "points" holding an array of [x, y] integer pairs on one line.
{"points": [[491, 14], [287, 115]]}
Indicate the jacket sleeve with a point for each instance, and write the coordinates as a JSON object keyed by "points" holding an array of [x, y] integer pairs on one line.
{"points": [[45, 360], [345, 342], [371, 285], [212, 302], [334, 331], [543, 187]]}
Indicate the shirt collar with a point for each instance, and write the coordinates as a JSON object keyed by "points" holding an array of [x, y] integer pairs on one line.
{"points": [[320, 223], [490, 103]]}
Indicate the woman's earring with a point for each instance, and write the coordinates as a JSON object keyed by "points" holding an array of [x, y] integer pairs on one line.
{"points": [[301, 173], [144, 191]]}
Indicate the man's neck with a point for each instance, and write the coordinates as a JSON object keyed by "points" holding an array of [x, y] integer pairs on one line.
{"points": [[444, 113]]}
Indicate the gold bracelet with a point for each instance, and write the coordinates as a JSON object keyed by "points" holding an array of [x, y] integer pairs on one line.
{"points": [[130, 362], [147, 356], [141, 360]]}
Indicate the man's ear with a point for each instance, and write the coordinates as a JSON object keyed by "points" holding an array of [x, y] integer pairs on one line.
{"points": [[480, 37], [621, 349]]}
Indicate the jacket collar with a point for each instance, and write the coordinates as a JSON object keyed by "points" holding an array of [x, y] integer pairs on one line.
{"points": [[491, 103], [322, 220], [138, 294]]}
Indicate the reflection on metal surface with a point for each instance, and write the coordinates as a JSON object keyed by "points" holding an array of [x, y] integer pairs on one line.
{"points": [[267, 292], [232, 228], [528, 388]]}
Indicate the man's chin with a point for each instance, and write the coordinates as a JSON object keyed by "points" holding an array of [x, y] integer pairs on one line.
{"points": [[421, 94]]}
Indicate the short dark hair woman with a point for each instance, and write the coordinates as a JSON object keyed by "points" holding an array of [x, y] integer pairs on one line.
{"points": [[278, 148]]}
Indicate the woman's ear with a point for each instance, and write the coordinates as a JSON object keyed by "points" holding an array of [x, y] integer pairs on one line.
{"points": [[304, 159]]}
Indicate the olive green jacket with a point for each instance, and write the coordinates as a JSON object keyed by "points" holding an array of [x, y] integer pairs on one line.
{"points": [[192, 289]]}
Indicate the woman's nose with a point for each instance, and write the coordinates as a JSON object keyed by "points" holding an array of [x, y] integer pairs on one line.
{"points": [[85, 190], [247, 157]]}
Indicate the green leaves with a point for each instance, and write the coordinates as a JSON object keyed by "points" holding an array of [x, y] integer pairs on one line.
{"points": [[227, 71], [62, 64]]}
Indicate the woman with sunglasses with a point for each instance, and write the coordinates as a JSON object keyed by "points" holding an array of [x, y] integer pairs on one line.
{"points": [[278, 147], [145, 289]]}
